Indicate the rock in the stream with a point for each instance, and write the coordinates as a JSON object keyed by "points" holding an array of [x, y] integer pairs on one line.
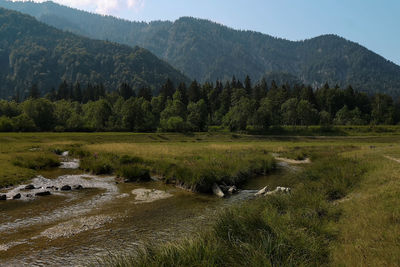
{"points": [[217, 190], [262, 191], [29, 187], [17, 196], [29, 195], [3, 197], [66, 188], [77, 187], [42, 194], [232, 190], [279, 189]]}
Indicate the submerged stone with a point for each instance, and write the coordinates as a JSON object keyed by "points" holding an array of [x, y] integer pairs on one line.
{"points": [[66, 188], [217, 190], [42, 194], [77, 187], [29, 187]]}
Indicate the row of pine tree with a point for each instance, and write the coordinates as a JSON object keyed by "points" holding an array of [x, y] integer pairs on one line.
{"points": [[234, 105]]}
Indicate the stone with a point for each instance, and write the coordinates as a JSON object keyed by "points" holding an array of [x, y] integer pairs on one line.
{"points": [[217, 190], [224, 188], [66, 188], [42, 194], [262, 191], [3, 197], [17, 196], [232, 190], [29, 187], [77, 187]]}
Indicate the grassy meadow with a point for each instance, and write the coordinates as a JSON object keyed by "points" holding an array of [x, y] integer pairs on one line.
{"points": [[343, 209]]}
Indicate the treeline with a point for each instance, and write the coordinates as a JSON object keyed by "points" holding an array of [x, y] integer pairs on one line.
{"points": [[235, 105]]}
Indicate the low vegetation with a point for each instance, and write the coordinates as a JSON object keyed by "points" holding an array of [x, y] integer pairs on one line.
{"points": [[36, 162], [343, 209], [281, 230], [190, 166]]}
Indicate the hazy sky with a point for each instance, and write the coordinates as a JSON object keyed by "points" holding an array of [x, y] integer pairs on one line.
{"points": [[372, 23]]}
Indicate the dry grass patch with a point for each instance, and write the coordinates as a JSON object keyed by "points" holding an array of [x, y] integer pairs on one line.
{"points": [[370, 226]]}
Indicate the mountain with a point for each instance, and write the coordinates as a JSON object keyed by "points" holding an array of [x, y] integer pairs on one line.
{"points": [[207, 51], [32, 52]]}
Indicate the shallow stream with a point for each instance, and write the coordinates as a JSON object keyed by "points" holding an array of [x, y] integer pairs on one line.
{"points": [[70, 228]]}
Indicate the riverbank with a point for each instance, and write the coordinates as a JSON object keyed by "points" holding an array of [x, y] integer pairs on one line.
{"points": [[275, 230], [343, 210]]}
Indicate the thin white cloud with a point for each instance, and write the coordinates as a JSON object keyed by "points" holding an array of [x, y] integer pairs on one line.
{"points": [[105, 7]]}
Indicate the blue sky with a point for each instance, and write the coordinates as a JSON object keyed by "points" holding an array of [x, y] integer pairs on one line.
{"points": [[372, 23]]}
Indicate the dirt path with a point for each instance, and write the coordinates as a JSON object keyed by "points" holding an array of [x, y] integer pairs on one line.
{"points": [[394, 159]]}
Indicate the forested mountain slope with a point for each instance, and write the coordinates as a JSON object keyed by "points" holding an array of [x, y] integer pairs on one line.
{"points": [[208, 51], [33, 53]]}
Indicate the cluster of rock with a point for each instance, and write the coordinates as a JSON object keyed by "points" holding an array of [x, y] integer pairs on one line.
{"points": [[265, 191], [223, 190], [38, 191]]}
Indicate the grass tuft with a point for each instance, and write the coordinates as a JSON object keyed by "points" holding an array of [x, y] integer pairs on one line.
{"points": [[36, 162]]}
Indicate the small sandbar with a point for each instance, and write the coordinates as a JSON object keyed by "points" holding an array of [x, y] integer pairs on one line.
{"points": [[149, 195], [293, 161], [72, 164], [76, 226]]}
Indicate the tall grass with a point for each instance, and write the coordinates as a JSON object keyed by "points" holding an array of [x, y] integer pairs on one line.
{"points": [[37, 161], [281, 230], [197, 169]]}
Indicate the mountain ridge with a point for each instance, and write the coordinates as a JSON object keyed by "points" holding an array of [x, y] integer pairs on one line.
{"points": [[207, 51], [35, 53]]}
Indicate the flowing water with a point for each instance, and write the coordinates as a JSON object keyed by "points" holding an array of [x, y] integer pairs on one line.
{"points": [[70, 228]]}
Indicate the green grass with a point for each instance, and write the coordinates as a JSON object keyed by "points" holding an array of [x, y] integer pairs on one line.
{"points": [[344, 209], [281, 230], [37, 162], [197, 169]]}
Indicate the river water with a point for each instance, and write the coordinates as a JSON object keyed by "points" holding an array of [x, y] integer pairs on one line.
{"points": [[70, 228]]}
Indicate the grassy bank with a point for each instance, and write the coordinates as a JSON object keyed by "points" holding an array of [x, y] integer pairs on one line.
{"points": [[369, 230], [193, 159], [194, 166]]}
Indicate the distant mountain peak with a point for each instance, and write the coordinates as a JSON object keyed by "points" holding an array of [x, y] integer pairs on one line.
{"points": [[207, 51]]}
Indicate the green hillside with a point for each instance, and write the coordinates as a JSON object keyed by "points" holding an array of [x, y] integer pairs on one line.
{"points": [[33, 53], [207, 51]]}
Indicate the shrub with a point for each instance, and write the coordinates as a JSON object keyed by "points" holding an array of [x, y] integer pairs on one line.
{"points": [[125, 159], [37, 162], [6, 124], [134, 173], [99, 165]]}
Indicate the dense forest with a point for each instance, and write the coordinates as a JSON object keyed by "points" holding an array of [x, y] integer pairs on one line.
{"points": [[208, 51], [234, 105], [32, 52]]}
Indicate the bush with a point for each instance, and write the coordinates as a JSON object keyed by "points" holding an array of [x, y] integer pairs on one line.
{"points": [[125, 159], [23, 123], [173, 124], [134, 173], [97, 165], [37, 162], [6, 124]]}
